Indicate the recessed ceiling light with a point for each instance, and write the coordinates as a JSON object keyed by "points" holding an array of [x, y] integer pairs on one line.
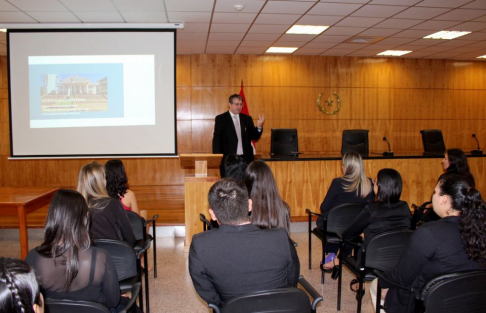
{"points": [[281, 50], [481, 57], [445, 34], [307, 29], [395, 53]]}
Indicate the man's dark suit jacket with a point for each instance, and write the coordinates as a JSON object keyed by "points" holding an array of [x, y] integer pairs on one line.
{"points": [[236, 260], [225, 140]]}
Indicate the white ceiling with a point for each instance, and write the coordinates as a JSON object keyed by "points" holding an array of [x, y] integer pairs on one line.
{"points": [[214, 26]]}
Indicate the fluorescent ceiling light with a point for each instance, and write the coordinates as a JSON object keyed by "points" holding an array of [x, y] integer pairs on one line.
{"points": [[481, 57], [445, 34], [281, 50], [3, 30], [307, 29], [395, 53]]}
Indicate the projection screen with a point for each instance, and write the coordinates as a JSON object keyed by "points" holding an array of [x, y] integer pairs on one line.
{"points": [[92, 92]]}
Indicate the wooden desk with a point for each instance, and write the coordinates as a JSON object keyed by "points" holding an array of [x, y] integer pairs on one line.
{"points": [[20, 202]]}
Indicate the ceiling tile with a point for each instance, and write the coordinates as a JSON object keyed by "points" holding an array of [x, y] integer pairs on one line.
{"points": [[289, 7], [395, 41], [5, 6], [189, 5], [470, 26], [308, 51], [54, 17], [347, 1], [191, 36], [454, 43], [461, 15], [478, 4], [250, 6], [99, 17], [426, 42], [341, 9], [474, 36], [38, 5], [320, 45], [325, 38], [360, 21], [395, 2], [288, 44], [442, 3], [416, 54], [145, 5], [260, 44], [398, 23], [349, 31], [277, 19], [379, 47], [220, 50], [480, 19], [269, 29], [262, 37], [363, 53], [409, 33], [240, 18], [224, 43], [338, 52], [144, 17], [378, 11], [195, 17], [89, 5], [379, 32], [464, 49], [480, 44], [319, 20], [190, 50], [436, 25], [197, 43], [230, 28], [194, 28], [226, 36], [250, 50], [435, 49], [15, 17], [443, 55], [421, 13], [352, 46], [299, 38]]}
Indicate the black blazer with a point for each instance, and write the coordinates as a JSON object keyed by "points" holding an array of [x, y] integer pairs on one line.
{"points": [[225, 140]]}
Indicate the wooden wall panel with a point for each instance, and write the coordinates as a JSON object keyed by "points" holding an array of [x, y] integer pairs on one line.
{"points": [[390, 97]]}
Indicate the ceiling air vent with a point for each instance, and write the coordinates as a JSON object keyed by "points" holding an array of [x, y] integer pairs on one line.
{"points": [[364, 39]]}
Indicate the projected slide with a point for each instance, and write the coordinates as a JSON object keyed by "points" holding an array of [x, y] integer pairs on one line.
{"points": [[80, 91]]}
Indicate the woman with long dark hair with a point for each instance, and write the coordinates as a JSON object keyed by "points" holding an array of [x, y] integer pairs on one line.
{"points": [[268, 209], [108, 217], [117, 185], [19, 289], [455, 243], [455, 162], [68, 267]]}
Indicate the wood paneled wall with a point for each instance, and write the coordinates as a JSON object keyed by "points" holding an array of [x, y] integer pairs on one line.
{"points": [[390, 97]]}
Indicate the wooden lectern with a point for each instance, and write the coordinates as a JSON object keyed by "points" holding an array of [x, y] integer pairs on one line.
{"points": [[196, 188]]}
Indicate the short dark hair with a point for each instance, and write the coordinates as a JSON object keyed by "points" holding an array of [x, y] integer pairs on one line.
{"points": [[234, 167], [116, 178], [228, 198], [235, 96], [389, 185]]}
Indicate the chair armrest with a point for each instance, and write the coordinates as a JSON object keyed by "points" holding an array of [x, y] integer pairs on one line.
{"points": [[146, 246], [152, 220], [380, 275], [316, 297], [310, 213], [215, 308], [135, 292]]}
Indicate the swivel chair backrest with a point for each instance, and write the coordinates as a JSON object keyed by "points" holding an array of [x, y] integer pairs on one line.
{"points": [[355, 140], [385, 250], [340, 217], [284, 141], [433, 141]]}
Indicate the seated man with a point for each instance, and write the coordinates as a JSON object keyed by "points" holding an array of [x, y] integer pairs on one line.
{"points": [[239, 258]]}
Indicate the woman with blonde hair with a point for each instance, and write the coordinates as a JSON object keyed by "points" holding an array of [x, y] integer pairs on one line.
{"points": [[108, 217], [352, 187]]}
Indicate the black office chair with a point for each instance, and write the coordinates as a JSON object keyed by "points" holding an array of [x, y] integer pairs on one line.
{"points": [[288, 300], [338, 220], [127, 264], [63, 306], [355, 140], [433, 141], [382, 254], [284, 141]]}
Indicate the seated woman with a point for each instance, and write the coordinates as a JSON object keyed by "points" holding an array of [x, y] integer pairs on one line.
{"points": [[352, 187], [454, 162], [19, 289], [268, 210], [455, 243], [68, 267], [108, 217], [386, 214]]}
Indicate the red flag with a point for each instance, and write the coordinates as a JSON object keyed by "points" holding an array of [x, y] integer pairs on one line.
{"points": [[245, 110]]}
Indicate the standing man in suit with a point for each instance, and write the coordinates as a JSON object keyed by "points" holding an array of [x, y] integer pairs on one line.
{"points": [[228, 138], [239, 257]]}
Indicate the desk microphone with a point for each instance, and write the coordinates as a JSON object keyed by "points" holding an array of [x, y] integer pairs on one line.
{"points": [[478, 151], [388, 153]]}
